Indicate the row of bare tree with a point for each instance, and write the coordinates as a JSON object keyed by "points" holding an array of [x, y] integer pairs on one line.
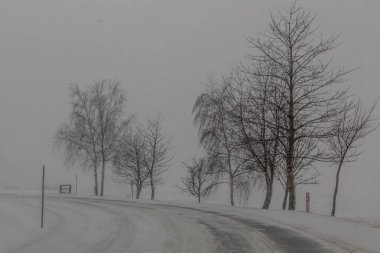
{"points": [[99, 136], [142, 156], [277, 116]]}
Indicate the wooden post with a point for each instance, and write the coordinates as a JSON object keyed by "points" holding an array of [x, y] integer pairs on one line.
{"points": [[76, 185], [43, 196], [308, 202]]}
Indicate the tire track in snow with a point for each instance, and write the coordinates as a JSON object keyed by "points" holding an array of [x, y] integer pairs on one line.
{"points": [[132, 227], [228, 241], [286, 240]]}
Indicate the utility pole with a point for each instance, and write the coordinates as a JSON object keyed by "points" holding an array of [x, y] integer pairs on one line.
{"points": [[76, 184], [43, 196]]}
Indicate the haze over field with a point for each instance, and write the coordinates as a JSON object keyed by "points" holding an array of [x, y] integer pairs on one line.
{"points": [[162, 52]]}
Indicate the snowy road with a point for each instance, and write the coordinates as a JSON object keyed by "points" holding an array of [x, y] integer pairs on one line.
{"points": [[102, 226]]}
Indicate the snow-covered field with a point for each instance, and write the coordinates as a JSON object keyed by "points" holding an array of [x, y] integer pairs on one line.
{"points": [[112, 225]]}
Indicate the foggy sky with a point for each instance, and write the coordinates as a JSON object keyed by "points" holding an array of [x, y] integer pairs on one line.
{"points": [[162, 52]]}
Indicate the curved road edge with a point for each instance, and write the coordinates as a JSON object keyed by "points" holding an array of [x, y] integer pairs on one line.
{"points": [[287, 238]]}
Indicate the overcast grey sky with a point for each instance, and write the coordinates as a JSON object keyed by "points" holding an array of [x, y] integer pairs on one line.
{"points": [[163, 52]]}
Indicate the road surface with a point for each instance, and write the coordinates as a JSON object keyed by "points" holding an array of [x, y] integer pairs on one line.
{"points": [[109, 226]]}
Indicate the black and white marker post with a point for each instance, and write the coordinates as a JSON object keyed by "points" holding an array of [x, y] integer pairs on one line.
{"points": [[43, 196]]}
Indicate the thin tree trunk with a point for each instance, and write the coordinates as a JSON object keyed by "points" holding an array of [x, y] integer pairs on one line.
{"points": [[285, 200], [102, 179], [96, 192], [269, 190], [152, 194], [232, 201], [199, 188], [138, 191], [336, 189]]}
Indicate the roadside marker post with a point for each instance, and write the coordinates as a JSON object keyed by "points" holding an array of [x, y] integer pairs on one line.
{"points": [[43, 196], [308, 202]]}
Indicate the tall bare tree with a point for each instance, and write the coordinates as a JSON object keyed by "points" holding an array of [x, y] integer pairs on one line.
{"points": [[217, 133], [78, 136], [350, 128], [156, 156], [256, 104], [128, 159], [109, 100], [305, 81], [95, 124]]}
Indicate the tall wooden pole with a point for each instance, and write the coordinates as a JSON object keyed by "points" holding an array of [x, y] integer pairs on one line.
{"points": [[76, 185], [43, 196]]}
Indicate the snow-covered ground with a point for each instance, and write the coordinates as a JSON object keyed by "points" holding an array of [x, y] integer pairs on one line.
{"points": [[349, 234], [19, 222], [113, 225]]}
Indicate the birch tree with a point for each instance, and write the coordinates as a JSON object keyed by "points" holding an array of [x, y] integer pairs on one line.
{"points": [[109, 100], [349, 130], [78, 137], [256, 104], [128, 159], [96, 122], [199, 180], [217, 133], [156, 156]]}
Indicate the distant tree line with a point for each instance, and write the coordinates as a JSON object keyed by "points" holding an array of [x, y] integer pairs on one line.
{"points": [[99, 136], [277, 116]]}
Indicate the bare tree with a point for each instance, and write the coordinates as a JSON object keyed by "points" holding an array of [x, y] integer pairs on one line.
{"points": [[96, 123], [255, 104], [78, 136], [156, 155], [349, 129], [217, 133], [128, 159], [109, 100], [199, 180], [304, 80]]}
